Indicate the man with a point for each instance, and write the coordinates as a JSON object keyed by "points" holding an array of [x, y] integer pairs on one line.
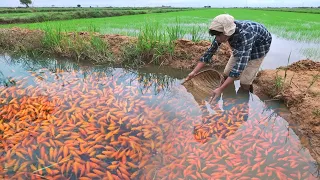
{"points": [[250, 42]]}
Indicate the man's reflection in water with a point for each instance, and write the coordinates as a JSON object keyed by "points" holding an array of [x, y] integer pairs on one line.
{"points": [[223, 122]]}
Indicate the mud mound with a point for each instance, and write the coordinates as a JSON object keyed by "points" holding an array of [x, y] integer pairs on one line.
{"points": [[305, 65], [16, 38], [188, 53], [300, 90]]}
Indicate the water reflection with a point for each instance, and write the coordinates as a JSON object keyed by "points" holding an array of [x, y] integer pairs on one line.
{"points": [[281, 49], [223, 121], [69, 121]]}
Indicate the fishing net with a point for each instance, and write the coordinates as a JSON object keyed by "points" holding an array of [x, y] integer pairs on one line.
{"points": [[203, 83]]}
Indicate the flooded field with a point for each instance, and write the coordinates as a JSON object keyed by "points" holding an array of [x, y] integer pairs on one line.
{"points": [[68, 121], [281, 49]]}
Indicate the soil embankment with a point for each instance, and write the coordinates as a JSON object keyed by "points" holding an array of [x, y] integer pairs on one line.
{"points": [[298, 85], [185, 56]]}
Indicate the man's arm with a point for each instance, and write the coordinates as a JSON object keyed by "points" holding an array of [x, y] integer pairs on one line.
{"points": [[206, 58]]}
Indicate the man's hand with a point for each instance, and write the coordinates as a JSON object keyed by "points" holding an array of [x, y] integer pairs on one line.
{"points": [[215, 94], [199, 66], [190, 75]]}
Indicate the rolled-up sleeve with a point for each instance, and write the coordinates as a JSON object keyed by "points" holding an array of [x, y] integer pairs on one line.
{"points": [[206, 58], [242, 54]]}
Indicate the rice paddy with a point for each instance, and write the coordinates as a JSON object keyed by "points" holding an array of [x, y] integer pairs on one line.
{"points": [[66, 121], [12, 18], [314, 10], [286, 24]]}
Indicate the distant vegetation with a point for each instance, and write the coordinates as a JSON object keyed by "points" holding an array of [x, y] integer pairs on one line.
{"points": [[61, 9], [7, 16], [297, 10]]}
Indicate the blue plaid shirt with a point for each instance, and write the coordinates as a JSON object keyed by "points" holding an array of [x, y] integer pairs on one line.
{"points": [[250, 41]]}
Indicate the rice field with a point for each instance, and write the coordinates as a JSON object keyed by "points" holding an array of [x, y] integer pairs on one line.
{"points": [[43, 16], [286, 24], [298, 10]]}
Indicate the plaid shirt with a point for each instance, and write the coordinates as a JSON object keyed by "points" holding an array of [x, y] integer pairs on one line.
{"points": [[250, 41]]}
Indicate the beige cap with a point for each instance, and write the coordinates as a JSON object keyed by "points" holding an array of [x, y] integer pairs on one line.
{"points": [[223, 23]]}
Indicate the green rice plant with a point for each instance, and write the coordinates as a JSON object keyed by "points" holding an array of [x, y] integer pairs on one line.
{"points": [[80, 47], [131, 56], [93, 28], [280, 23], [196, 33], [286, 69], [52, 37], [99, 51], [176, 31], [41, 17], [279, 83], [152, 42], [32, 17], [311, 53], [77, 47], [296, 10]]}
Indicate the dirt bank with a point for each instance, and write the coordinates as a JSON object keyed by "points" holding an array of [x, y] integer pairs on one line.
{"points": [[185, 56], [298, 85]]}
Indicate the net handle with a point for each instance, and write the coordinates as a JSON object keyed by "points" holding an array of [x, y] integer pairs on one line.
{"points": [[221, 76]]}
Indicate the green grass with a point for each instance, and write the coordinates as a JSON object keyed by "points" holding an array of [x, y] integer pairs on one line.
{"points": [[15, 15], [154, 44], [279, 82], [297, 26], [90, 48], [50, 16], [41, 16], [298, 10]]}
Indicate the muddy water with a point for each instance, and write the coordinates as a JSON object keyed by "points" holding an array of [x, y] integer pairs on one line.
{"points": [[63, 120], [281, 49]]}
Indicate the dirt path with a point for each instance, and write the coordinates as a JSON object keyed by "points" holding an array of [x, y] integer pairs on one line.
{"points": [[298, 85]]}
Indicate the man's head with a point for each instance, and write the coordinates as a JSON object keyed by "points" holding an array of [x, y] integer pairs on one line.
{"points": [[222, 27]]}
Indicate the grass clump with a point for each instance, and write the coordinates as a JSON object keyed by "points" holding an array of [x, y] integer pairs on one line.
{"points": [[279, 83], [87, 46], [153, 45]]}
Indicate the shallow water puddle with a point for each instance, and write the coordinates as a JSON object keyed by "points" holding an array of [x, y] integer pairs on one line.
{"points": [[77, 122]]}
